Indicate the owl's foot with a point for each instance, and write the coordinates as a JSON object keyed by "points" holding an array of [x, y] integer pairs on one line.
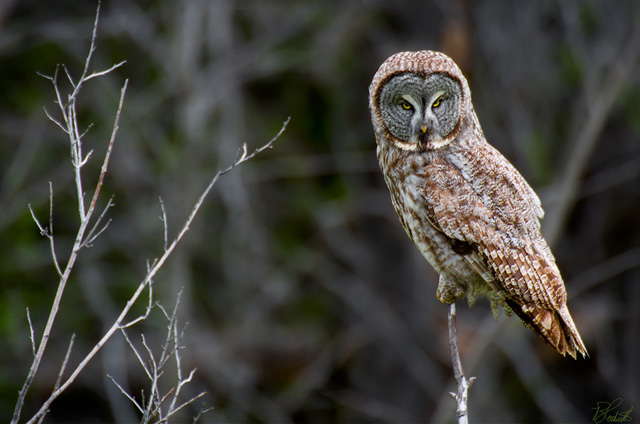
{"points": [[498, 300], [448, 291]]}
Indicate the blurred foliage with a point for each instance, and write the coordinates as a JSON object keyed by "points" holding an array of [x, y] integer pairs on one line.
{"points": [[305, 300]]}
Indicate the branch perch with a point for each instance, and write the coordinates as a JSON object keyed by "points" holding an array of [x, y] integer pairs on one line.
{"points": [[462, 396]]}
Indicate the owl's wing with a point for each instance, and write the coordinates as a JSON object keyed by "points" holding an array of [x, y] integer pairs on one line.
{"points": [[512, 249]]}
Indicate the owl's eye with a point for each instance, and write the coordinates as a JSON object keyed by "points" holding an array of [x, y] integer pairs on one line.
{"points": [[436, 103], [406, 105]]}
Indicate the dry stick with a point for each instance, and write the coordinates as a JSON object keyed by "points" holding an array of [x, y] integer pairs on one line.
{"points": [[173, 336], [463, 384], [171, 348], [71, 129], [65, 361], [77, 246], [152, 272]]}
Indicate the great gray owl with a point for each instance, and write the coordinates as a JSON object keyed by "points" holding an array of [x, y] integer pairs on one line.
{"points": [[467, 209]]}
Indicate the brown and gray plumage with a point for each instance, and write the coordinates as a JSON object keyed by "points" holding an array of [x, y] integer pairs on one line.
{"points": [[469, 212]]}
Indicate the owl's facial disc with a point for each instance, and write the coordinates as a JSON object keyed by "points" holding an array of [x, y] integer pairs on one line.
{"points": [[420, 112]]}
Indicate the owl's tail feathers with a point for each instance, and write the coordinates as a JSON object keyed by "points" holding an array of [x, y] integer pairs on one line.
{"points": [[575, 344], [556, 328]]}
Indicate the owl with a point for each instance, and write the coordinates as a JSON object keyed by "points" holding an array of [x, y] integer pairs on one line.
{"points": [[466, 208]]}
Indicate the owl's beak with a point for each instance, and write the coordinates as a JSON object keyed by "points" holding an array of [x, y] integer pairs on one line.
{"points": [[422, 131], [423, 137], [427, 130]]}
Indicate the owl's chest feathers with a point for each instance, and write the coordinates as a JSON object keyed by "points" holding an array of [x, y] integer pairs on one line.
{"points": [[405, 178]]}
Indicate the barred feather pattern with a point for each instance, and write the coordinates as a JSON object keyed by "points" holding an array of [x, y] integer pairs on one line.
{"points": [[471, 214]]}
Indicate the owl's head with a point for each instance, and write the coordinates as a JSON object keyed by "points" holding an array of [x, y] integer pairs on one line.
{"points": [[418, 99]]}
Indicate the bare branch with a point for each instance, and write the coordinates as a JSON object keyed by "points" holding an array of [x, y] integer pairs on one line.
{"points": [[149, 351], [85, 132], [45, 76], [164, 222], [84, 160], [92, 46], [147, 311], [64, 362], [52, 242], [43, 231], [33, 342], [172, 329], [135, 351], [105, 72], [68, 110], [462, 396], [124, 392], [188, 402], [89, 242], [202, 411], [117, 325], [48, 232], [107, 156], [55, 121], [69, 114], [152, 405], [58, 101], [70, 78], [164, 398], [90, 235], [244, 157]]}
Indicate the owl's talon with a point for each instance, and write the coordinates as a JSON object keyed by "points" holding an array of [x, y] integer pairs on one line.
{"points": [[448, 291]]}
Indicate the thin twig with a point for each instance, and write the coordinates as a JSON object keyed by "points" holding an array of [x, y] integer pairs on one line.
{"points": [[188, 402], [107, 156], [90, 235], [51, 118], [33, 341], [164, 222], [162, 401], [147, 311], [176, 354], [64, 362], [155, 376], [201, 412], [462, 396], [48, 232], [105, 72], [124, 392], [135, 351], [52, 243]]}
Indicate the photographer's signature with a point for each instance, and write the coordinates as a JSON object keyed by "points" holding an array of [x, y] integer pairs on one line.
{"points": [[607, 412]]}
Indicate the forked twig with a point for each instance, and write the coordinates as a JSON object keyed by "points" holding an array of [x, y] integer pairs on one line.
{"points": [[154, 406]]}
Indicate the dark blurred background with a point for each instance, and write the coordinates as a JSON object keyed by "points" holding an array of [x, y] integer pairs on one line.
{"points": [[305, 300]]}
